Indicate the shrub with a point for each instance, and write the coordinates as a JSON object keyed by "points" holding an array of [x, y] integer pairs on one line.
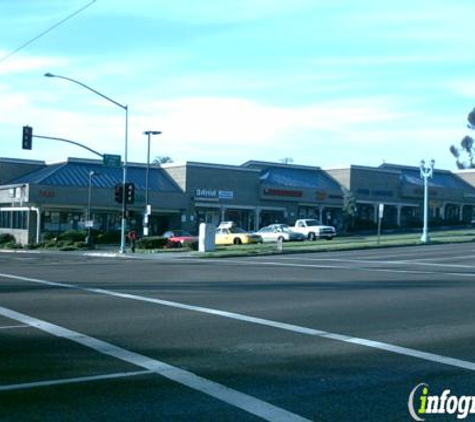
{"points": [[172, 245], [153, 242], [47, 236], [82, 245], [191, 244], [108, 237], [52, 244], [32, 246], [73, 235], [6, 238], [361, 224], [68, 248], [12, 245]]}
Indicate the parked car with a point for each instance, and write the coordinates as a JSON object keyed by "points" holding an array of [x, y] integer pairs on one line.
{"points": [[313, 229], [179, 237], [235, 236], [276, 232]]}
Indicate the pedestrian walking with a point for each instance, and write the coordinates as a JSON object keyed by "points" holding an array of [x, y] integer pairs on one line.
{"points": [[132, 236]]}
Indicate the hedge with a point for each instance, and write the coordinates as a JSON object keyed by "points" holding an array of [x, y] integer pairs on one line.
{"points": [[152, 242], [7, 238], [73, 235]]}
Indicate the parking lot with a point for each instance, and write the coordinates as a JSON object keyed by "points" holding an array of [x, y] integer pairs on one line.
{"points": [[329, 336]]}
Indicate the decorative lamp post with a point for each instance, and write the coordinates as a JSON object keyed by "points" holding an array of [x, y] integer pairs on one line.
{"points": [[148, 207], [124, 168], [426, 173], [89, 221]]}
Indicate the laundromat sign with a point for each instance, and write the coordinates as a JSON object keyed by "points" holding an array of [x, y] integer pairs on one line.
{"points": [[214, 194], [286, 193]]}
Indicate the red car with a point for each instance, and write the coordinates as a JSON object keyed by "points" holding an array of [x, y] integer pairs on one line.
{"points": [[179, 237]]}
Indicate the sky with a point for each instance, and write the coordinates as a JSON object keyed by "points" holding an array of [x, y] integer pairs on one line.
{"points": [[325, 83]]}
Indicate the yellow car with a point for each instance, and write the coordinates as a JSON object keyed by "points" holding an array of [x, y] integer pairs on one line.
{"points": [[235, 236]]}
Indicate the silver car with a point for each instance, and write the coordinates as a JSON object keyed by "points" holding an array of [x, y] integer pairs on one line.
{"points": [[276, 232]]}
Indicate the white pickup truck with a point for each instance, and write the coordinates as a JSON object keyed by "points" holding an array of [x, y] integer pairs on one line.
{"points": [[313, 229]]}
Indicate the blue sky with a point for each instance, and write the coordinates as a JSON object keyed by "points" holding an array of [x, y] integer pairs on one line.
{"points": [[325, 82]]}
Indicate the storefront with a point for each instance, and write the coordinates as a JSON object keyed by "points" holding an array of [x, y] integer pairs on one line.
{"points": [[401, 190], [36, 198], [291, 192], [56, 198]]}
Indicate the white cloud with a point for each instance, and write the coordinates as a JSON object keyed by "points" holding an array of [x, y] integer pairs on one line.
{"points": [[463, 87], [215, 120], [211, 11], [20, 63], [234, 130]]}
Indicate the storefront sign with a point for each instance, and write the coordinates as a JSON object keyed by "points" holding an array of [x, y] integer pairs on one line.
{"points": [[226, 194], [47, 193], [206, 193], [214, 194], [321, 196], [283, 193]]}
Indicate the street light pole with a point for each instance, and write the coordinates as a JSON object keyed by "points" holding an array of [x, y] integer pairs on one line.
{"points": [[426, 173], [89, 206], [149, 133], [124, 168]]}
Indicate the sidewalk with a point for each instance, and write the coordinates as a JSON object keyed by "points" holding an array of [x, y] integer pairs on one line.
{"points": [[112, 251]]}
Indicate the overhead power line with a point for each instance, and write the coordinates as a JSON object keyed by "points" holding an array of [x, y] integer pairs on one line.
{"points": [[45, 32]]}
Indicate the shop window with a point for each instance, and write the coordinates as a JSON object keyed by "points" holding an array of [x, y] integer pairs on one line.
{"points": [[14, 219]]}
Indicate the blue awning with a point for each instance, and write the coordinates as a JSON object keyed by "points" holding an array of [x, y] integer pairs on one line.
{"points": [[77, 174], [298, 178]]}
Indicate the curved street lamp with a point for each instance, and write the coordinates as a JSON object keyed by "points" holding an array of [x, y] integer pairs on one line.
{"points": [[124, 172], [89, 220]]}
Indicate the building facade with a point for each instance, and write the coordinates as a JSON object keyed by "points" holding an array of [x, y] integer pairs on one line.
{"points": [[36, 197], [401, 190]]}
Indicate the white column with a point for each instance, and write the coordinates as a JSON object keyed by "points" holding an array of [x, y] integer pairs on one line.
{"points": [[257, 218]]}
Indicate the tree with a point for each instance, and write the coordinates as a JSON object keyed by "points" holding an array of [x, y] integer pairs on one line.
{"points": [[471, 119], [162, 159], [349, 209], [465, 154]]}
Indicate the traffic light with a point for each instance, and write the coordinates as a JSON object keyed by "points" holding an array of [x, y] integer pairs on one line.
{"points": [[119, 193], [27, 137], [129, 193]]}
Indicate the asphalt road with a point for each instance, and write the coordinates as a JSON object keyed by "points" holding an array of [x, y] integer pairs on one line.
{"points": [[326, 337]]}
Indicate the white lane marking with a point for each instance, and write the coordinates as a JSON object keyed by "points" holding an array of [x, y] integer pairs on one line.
{"points": [[417, 251], [10, 327], [336, 267], [431, 357], [368, 261], [233, 397], [50, 383], [445, 258]]}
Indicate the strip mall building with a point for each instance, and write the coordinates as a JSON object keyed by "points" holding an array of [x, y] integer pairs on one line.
{"points": [[36, 197]]}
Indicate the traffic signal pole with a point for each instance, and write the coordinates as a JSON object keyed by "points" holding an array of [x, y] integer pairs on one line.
{"points": [[27, 141]]}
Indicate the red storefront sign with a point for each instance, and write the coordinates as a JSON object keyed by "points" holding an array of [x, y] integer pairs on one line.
{"points": [[283, 193]]}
